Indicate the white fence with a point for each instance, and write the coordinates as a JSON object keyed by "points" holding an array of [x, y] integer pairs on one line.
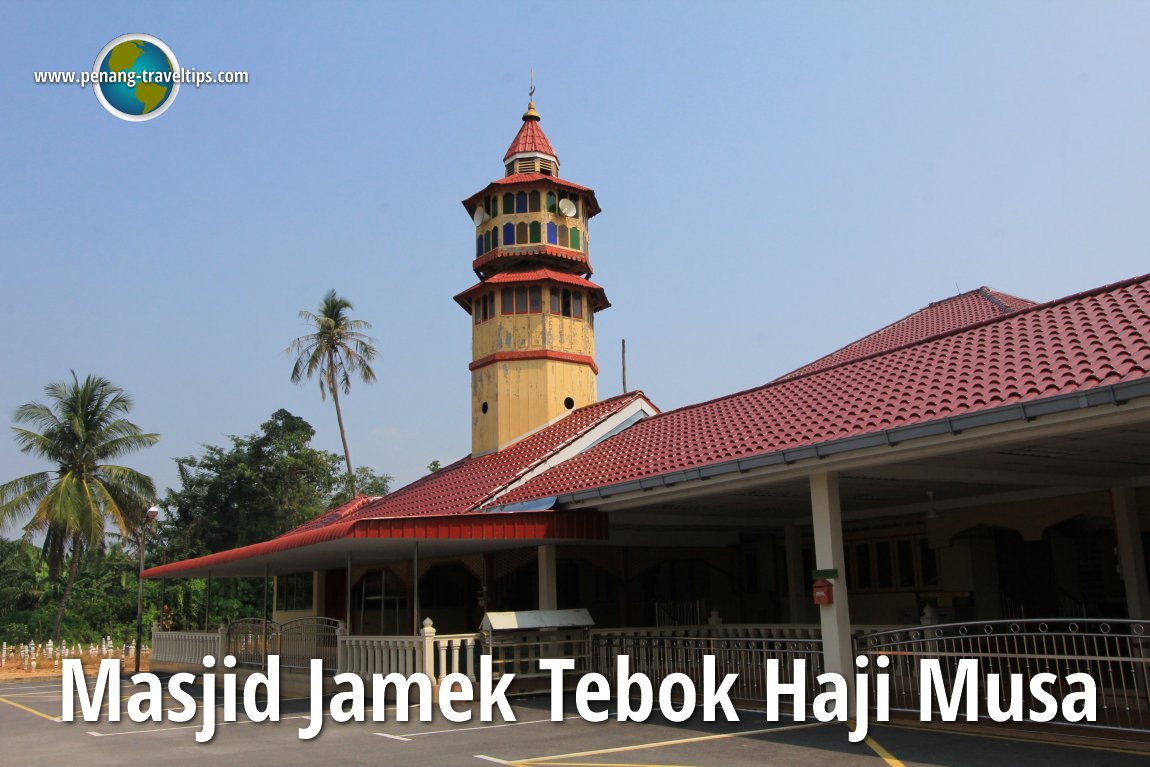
{"points": [[187, 647], [436, 655]]}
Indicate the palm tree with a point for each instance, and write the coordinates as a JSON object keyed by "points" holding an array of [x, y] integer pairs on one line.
{"points": [[337, 350], [84, 426]]}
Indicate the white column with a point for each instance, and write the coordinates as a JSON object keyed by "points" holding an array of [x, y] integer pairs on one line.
{"points": [[548, 591], [826, 514], [1131, 557], [795, 575]]}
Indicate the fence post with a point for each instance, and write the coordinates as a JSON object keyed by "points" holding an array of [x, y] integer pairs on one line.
{"points": [[223, 645], [340, 652], [428, 632]]}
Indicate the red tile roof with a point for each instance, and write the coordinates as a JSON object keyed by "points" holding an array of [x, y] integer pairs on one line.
{"points": [[517, 253], [521, 526], [940, 317], [523, 178], [468, 483], [520, 276], [457, 489], [1082, 342], [530, 138]]}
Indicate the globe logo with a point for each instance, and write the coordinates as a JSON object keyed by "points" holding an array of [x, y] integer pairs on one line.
{"points": [[136, 77]]}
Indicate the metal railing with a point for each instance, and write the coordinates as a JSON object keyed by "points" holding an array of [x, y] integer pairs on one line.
{"points": [[251, 640], [658, 655], [519, 652], [1114, 653], [302, 639], [296, 642]]}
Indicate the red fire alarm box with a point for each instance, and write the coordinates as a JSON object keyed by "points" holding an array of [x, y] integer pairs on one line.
{"points": [[824, 592]]}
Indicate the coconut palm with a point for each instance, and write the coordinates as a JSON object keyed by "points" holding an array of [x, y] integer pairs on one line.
{"points": [[336, 351], [83, 425]]}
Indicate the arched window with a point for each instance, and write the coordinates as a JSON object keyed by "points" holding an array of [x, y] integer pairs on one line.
{"points": [[533, 201], [536, 299], [521, 202], [554, 300], [486, 241], [551, 202], [479, 246], [563, 239], [552, 234], [536, 232], [495, 237], [509, 234], [487, 206], [577, 305], [566, 310], [494, 205], [575, 239], [521, 233], [508, 296], [508, 202], [521, 300]]}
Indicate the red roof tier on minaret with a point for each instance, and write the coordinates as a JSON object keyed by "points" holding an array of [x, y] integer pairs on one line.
{"points": [[530, 137]]}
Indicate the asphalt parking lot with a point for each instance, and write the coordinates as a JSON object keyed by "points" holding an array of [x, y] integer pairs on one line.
{"points": [[31, 734]]}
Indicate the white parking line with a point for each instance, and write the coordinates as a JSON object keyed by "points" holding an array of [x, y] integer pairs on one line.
{"points": [[199, 725], [465, 729], [493, 759], [22, 687]]}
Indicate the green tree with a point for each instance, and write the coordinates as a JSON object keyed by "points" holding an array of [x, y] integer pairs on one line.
{"points": [[364, 482], [260, 487], [84, 425], [334, 353]]}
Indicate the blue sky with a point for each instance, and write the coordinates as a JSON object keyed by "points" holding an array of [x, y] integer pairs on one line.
{"points": [[777, 179]]}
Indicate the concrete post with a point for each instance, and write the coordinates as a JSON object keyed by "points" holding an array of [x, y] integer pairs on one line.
{"points": [[795, 576], [340, 649], [223, 645], [428, 634], [1131, 557], [826, 514], [548, 590]]}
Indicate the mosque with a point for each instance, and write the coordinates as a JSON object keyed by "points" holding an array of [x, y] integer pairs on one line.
{"points": [[986, 457]]}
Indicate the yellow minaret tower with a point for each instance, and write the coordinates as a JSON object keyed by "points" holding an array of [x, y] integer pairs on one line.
{"points": [[532, 313]]}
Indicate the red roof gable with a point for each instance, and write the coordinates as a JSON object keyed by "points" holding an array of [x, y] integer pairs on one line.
{"points": [[940, 317], [1074, 344], [530, 138], [468, 483], [457, 489]]}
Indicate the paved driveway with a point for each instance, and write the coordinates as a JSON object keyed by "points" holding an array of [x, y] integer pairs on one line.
{"points": [[31, 735]]}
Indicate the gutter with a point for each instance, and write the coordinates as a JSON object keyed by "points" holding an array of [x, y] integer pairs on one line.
{"points": [[1114, 394]]}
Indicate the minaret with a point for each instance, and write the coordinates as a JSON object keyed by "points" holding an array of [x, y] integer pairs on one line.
{"points": [[532, 313]]}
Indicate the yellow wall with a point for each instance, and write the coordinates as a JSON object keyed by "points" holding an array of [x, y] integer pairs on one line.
{"points": [[523, 332], [522, 396], [281, 616]]}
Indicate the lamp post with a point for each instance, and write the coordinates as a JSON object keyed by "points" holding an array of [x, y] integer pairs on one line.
{"points": [[153, 512]]}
